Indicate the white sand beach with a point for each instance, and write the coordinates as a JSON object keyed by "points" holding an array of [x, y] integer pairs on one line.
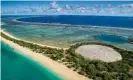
{"points": [[31, 42], [58, 68], [99, 52]]}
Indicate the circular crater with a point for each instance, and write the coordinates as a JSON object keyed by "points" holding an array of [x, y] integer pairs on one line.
{"points": [[99, 52]]}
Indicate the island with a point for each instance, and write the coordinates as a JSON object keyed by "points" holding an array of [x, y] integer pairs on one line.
{"points": [[68, 62]]}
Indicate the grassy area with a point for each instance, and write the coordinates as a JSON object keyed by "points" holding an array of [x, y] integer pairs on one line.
{"points": [[95, 69]]}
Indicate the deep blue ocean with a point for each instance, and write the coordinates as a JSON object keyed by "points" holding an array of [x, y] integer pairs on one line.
{"points": [[108, 21], [113, 38]]}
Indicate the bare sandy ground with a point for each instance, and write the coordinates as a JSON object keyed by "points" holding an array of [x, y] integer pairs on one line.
{"points": [[99, 52], [58, 68]]}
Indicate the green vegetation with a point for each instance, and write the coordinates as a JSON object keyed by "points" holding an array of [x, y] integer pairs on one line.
{"points": [[95, 69]]}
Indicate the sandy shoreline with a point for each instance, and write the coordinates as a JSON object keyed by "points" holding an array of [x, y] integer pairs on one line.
{"points": [[31, 42], [58, 68]]}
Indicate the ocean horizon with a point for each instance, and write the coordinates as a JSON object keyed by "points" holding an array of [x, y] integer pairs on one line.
{"points": [[86, 20]]}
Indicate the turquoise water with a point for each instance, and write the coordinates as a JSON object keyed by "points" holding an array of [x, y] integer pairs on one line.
{"points": [[65, 36], [17, 67]]}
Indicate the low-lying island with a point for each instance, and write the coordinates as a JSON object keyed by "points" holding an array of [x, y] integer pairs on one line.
{"points": [[59, 59]]}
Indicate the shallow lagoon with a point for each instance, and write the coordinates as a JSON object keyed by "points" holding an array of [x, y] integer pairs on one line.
{"points": [[64, 36]]}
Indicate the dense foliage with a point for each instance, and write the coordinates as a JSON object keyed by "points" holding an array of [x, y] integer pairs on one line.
{"points": [[95, 69], [98, 70]]}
